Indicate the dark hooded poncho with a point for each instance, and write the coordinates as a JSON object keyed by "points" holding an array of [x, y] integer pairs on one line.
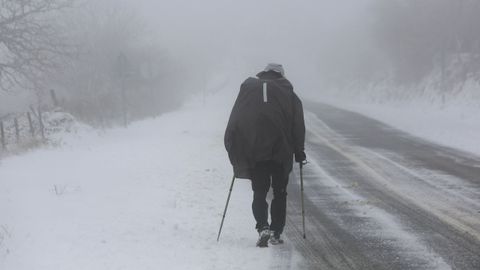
{"points": [[266, 123]]}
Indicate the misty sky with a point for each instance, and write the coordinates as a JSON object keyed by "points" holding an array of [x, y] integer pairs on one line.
{"points": [[247, 34], [241, 37]]}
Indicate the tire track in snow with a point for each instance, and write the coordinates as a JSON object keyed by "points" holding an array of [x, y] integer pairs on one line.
{"points": [[357, 220], [378, 174]]}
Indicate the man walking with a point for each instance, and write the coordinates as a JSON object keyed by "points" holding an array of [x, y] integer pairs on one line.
{"points": [[265, 131]]}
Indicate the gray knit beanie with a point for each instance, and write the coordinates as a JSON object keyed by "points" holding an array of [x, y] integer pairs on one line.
{"points": [[275, 67]]}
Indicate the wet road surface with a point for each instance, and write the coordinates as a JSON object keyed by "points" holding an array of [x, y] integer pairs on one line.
{"points": [[379, 198]]}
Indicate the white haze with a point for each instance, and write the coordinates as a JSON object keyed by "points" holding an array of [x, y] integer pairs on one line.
{"points": [[368, 46], [242, 36], [236, 39]]}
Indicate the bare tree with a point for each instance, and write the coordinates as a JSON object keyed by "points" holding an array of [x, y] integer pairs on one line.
{"points": [[420, 36], [30, 41]]}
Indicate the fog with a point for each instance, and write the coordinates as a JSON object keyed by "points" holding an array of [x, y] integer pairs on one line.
{"points": [[173, 49], [194, 41], [118, 128], [244, 36]]}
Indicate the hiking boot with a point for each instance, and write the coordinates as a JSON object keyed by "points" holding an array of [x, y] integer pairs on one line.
{"points": [[275, 239], [263, 236]]}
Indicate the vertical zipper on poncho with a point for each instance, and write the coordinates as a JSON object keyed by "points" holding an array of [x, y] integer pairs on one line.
{"points": [[265, 98]]}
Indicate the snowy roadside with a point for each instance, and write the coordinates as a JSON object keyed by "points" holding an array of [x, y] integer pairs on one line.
{"points": [[147, 197], [455, 126]]}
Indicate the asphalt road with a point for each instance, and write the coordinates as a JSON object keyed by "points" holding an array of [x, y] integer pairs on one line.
{"points": [[378, 198]]}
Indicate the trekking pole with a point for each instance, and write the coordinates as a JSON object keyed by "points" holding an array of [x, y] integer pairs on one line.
{"points": [[226, 206], [303, 205]]}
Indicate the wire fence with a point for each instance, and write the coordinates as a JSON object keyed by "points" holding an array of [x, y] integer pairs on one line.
{"points": [[17, 130]]}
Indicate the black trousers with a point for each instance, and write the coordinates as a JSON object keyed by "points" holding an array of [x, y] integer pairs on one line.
{"points": [[265, 174]]}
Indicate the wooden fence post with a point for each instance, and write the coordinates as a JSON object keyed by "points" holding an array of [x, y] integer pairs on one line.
{"points": [[2, 135], [17, 130], [30, 123], [42, 127], [54, 97]]}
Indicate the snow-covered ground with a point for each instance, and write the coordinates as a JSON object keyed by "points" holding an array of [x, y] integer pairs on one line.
{"points": [[452, 119], [147, 197], [151, 196], [454, 126]]}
